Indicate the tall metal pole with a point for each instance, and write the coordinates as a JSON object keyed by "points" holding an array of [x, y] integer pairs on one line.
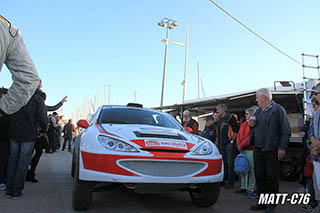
{"points": [[98, 98], [95, 102], [164, 68], [109, 96], [105, 94], [204, 95], [198, 80], [185, 65]]}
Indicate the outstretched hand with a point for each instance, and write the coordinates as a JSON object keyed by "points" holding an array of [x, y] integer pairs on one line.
{"points": [[64, 99]]}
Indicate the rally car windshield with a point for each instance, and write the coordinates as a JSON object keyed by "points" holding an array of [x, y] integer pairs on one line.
{"points": [[136, 116]]}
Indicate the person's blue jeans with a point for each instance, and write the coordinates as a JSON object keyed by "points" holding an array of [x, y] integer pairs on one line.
{"points": [[66, 141], [20, 156], [310, 188], [228, 155]]}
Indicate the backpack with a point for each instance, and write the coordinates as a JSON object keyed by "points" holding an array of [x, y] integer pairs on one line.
{"points": [[241, 164]]}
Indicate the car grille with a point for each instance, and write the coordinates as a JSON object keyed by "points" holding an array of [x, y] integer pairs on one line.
{"points": [[163, 168]]}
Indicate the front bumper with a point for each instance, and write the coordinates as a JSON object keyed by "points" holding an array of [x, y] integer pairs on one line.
{"points": [[149, 169]]}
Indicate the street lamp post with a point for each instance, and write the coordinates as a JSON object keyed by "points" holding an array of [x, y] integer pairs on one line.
{"points": [[169, 24], [185, 66]]}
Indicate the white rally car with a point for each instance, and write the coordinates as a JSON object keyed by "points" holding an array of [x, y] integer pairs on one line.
{"points": [[144, 150]]}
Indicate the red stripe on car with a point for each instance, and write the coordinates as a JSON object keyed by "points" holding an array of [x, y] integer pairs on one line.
{"points": [[103, 131], [107, 163]]}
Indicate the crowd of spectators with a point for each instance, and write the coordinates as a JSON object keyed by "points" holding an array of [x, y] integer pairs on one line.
{"points": [[263, 137], [23, 115]]}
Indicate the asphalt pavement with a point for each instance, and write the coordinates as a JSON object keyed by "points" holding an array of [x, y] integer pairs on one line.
{"points": [[53, 194]]}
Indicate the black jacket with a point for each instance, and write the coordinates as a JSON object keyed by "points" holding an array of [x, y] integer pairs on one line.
{"points": [[50, 108], [4, 139], [68, 130], [223, 127], [25, 122], [4, 127], [277, 129], [210, 132], [55, 107]]}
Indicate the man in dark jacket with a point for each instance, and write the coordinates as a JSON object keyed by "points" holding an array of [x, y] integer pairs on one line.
{"points": [[270, 136], [68, 131], [4, 144], [52, 133], [226, 141], [23, 133], [210, 131], [42, 140]]}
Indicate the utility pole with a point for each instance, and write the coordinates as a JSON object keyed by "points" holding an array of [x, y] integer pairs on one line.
{"points": [[134, 96]]}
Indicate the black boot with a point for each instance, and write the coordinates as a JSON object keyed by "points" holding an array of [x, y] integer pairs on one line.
{"points": [[34, 180], [30, 177]]}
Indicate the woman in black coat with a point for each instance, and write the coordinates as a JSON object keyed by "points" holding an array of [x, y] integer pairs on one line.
{"points": [[4, 144]]}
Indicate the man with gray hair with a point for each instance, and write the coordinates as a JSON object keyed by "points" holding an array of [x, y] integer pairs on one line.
{"points": [[188, 121], [226, 141], [270, 137], [14, 54]]}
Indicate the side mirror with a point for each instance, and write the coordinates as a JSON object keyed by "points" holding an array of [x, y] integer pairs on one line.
{"points": [[188, 129], [83, 124]]}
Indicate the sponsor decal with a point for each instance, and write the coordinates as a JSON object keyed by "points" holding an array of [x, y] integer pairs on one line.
{"points": [[282, 198], [175, 144]]}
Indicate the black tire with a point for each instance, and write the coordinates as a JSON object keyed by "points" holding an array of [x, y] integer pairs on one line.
{"points": [[81, 192], [73, 166], [206, 195]]}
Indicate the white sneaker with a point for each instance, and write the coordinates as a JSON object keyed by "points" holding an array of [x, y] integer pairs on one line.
{"points": [[302, 190], [2, 186]]}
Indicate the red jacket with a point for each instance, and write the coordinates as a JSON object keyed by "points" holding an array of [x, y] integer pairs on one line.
{"points": [[244, 136], [193, 125]]}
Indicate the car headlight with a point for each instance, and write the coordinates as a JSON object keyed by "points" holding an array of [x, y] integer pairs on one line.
{"points": [[203, 149], [115, 145]]}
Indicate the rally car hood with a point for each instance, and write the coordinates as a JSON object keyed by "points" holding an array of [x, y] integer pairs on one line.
{"points": [[151, 136]]}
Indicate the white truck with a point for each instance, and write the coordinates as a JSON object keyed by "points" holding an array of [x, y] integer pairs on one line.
{"points": [[286, 93]]}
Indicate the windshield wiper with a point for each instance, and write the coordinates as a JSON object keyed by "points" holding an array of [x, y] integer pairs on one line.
{"points": [[116, 122]]}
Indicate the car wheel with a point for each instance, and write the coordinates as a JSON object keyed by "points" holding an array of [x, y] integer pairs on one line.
{"points": [[82, 192], [206, 195]]}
